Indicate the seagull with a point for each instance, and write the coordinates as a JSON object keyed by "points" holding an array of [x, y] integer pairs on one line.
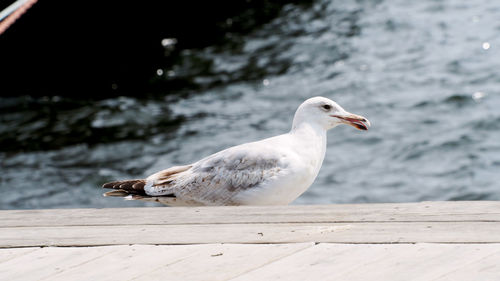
{"points": [[272, 171]]}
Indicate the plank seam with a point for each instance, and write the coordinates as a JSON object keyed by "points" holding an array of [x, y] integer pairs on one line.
{"points": [[237, 223], [250, 243]]}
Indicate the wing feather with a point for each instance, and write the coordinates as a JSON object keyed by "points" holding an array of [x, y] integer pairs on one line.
{"points": [[215, 180]]}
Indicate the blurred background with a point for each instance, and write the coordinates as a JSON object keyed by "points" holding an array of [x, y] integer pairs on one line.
{"points": [[91, 92]]}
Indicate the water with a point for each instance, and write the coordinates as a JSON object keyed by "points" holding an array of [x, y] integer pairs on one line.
{"points": [[424, 72]]}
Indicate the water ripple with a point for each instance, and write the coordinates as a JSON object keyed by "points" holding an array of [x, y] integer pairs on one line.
{"points": [[419, 70]]}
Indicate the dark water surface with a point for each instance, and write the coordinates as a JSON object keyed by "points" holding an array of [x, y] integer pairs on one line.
{"points": [[426, 74]]}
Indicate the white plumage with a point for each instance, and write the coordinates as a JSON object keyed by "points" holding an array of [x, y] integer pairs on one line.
{"points": [[273, 171]]}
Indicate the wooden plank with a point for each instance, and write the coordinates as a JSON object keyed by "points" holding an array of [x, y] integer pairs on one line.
{"points": [[11, 253], [320, 262], [47, 261], [403, 262], [324, 261], [400, 232], [229, 261], [188, 262], [487, 268], [423, 262], [124, 262], [416, 212]]}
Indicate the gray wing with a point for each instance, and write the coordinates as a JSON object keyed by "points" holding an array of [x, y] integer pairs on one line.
{"points": [[215, 180]]}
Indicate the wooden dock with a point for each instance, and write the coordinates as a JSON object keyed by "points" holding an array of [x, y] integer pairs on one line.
{"points": [[411, 241]]}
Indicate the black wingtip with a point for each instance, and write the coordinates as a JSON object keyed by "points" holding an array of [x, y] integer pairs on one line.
{"points": [[129, 186], [116, 193], [109, 184]]}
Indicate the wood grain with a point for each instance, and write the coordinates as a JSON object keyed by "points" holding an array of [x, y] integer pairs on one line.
{"points": [[401, 262], [407, 212], [402, 232], [305, 261]]}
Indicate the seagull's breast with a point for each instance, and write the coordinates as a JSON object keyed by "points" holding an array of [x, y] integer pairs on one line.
{"points": [[299, 164]]}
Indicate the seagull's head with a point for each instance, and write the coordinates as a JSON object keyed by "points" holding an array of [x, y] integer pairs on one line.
{"points": [[328, 114]]}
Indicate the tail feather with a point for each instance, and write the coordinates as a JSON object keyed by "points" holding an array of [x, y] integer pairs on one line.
{"points": [[139, 185], [134, 189], [127, 186], [116, 193]]}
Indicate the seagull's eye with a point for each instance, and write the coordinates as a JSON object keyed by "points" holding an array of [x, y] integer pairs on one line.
{"points": [[326, 107]]}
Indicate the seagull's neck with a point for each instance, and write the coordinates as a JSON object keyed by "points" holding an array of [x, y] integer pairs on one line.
{"points": [[308, 130], [311, 140]]}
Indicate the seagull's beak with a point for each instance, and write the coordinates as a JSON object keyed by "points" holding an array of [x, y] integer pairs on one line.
{"points": [[357, 121]]}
